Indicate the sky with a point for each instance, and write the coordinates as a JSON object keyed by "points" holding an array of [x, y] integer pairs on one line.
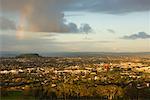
{"points": [[75, 26]]}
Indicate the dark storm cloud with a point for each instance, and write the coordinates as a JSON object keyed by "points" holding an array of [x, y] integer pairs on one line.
{"points": [[109, 6], [48, 15], [140, 35], [112, 6], [7, 24]]}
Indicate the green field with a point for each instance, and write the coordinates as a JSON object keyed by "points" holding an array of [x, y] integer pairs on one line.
{"points": [[15, 95]]}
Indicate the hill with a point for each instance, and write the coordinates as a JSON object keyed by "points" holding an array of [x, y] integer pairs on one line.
{"points": [[30, 55]]}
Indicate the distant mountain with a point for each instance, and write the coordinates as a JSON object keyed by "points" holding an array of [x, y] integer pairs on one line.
{"points": [[8, 54], [29, 55]]}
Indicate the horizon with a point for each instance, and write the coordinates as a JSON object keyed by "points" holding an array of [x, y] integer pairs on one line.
{"points": [[73, 54]]}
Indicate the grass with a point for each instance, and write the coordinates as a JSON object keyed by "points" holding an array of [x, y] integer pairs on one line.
{"points": [[15, 95]]}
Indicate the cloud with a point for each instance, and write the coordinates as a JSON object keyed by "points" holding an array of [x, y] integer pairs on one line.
{"points": [[9, 42], [6, 24], [72, 27], [48, 15], [85, 28], [40, 16], [140, 35], [38, 43], [111, 31], [112, 6], [82, 42], [107, 6]]}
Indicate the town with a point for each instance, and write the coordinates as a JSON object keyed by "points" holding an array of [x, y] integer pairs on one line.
{"points": [[106, 77]]}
